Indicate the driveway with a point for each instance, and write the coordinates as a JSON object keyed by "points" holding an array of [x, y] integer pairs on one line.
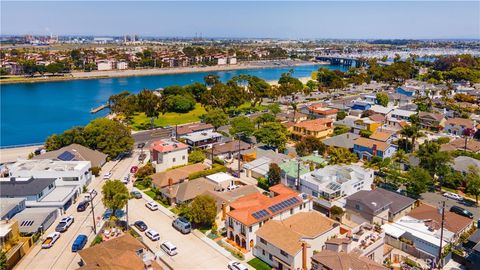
{"points": [[435, 199]]}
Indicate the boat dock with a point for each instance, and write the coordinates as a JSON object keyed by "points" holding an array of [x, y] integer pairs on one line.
{"points": [[99, 108]]}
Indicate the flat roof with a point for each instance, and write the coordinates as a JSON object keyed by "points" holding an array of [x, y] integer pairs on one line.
{"points": [[220, 177], [59, 194], [201, 135], [8, 204]]}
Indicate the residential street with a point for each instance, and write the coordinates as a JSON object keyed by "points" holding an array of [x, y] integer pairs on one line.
{"points": [[435, 199]]}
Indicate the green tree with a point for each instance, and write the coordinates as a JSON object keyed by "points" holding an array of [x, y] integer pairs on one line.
{"points": [[341, 115], [256, 88], [274, 109], [382, 99], [179, 103], [196, 90], [242, 124], [108, 136], [29, 67], [341, 156], [273, 134], [3, 260], [203, 210], [274, 174], [308, 144], [418, 180], [211, 79], [473, 182], [115, 195], [55, 68], [341, 129], [145, 171], [196, 156], [413, 132], [312, 85], [431, 159], [264, 118], [365, 133], [288, 85], [216, 118], [149, 103]]}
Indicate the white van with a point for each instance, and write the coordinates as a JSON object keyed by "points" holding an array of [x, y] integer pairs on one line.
{"points": [[169, 248], [153, 235], [90, 194]]}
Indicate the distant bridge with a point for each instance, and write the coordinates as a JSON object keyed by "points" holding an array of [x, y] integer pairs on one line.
{"points": [[346, 61]]}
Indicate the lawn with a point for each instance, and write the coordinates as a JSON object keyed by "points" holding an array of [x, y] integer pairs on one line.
{"points": [[141, 122], [259, 264]]}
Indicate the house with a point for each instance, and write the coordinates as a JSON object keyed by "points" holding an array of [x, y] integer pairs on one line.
{"points": [[377, 206], [357, 123], [13, 243], [399, 99], [406, 91], [11, 206], [431, 121], [331, 260], [186, 191], [319, 128], [398, 115], [418, 233], [456, 126], [288, 117], [344, 140], [379, 109], [38, 192], [103, 65], [122, 65], [292, 169], [175, 176], [367, 148], [472, 145], [226, 151], [383, 136], [463, 164], [67, 174], [190, 128], [335, 181], [34, 220], [202, 139], [361, 106], [473, 259], [258, 161], [249, 213], [122, 253], [280, 243], [363, 239], [168, 153], [320, 111], [75, 152]]}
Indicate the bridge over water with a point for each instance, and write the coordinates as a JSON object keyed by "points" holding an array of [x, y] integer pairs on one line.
{"points": [[346, 60]]}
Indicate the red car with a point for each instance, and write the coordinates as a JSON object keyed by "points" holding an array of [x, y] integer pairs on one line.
{"points": [[134, 169]]}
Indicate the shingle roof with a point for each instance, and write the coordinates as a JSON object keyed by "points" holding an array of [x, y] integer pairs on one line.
{"points": [[80, 152], [343, 140], [189, 128], [453, 222], [379, 198], [381, 136], [161, 179], [19, 188], [460, 121], [366, 142], [315, 125], [345, 261]]}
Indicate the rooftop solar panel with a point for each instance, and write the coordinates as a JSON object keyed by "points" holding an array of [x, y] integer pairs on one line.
{"points": [[284, 204], [260, 214], [66, 156]]}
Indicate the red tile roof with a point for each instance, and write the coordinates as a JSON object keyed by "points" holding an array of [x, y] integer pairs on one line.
{"points": [[315, 125], [164, 146]]}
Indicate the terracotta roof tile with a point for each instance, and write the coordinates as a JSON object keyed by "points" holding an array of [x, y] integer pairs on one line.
{"points": [[460, 121], [453, 222], [345, 261], [381, 136], [366, 142], [315, 125]]}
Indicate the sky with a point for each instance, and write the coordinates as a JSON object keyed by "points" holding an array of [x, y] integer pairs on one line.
{"points": [[231, 19]]}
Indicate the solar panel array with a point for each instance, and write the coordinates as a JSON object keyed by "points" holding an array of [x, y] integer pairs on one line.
{"points": [[333, 186], [282, 205], [260, 214], [66, 156]]}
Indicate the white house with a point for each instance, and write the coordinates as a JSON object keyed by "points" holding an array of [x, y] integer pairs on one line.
{"points": [[280, 243], [202, 139], [221, 179], [335, 181], [249, 213], [122, 65], [167, 153], [105, 65]]}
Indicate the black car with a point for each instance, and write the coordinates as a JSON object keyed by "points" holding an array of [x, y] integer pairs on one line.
{"points": [[141, 226], [461, 211], [140, 145], [82, 206], [468, 203]]}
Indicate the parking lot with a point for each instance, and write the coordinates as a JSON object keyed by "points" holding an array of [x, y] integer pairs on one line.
{"points": [[435, 199]]}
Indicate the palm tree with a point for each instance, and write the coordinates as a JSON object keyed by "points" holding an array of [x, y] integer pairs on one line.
{"points": [[294, 107], [413, 132], [468, 132]]}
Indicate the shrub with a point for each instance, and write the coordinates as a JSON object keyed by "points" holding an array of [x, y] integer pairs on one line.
{"points": [[216, 169], [145, 171], [95, 170], [97, 240], [262, 183], [196, 156]]}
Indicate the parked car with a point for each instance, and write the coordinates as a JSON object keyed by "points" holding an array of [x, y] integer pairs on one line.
{"points": [[107, 175], [133, 169], [89, 195], [232, 187], [169, 248], [79, 242], [126, 179], [153, 235], [461, 211], [50, 240], [453, 196], [141, 226], [64, 224], [152, 206], [468, 203], [82, 206], [142, 157], [136, 194], [182, 225], [233, 265], [140, 145]]}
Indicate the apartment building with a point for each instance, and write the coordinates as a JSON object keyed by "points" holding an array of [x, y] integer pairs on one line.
{"points": [[167, 153]]}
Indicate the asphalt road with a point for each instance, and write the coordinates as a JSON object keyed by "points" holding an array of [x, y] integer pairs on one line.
{"points": [[435, 199], [148, 136]]}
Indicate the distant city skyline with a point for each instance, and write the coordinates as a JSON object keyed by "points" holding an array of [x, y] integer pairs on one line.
{"points": [[295, 20]]}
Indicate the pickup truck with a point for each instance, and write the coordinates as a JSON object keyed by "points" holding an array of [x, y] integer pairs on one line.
{"points": [[64, 224], [50, 240]]}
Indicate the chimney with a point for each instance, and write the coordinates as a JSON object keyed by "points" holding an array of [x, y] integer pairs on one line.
{"points": [[224, 210], [170, 185], [304, 255]]}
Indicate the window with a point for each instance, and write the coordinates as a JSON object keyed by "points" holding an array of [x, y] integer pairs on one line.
{"points": [[291, 211], [242, 229], [230, 222], [263, 252], [357, 206], [250, 229], [174, 159], [40, 194], [270, 257], [314, 194], [50, 186], [183, 157], [70, 178], [263, 241], [284, 253]]}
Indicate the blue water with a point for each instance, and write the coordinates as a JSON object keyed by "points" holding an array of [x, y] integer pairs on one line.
{"points": [[30, 112]]}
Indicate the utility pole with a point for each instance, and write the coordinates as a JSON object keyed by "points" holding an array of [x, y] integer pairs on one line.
{"points": [[439, 261], [93, 212], [238, 157], [212, 152], [298, 175], [128, 224]]}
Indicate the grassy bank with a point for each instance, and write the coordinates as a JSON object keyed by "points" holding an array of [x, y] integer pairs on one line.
{"points": [[141, 121]]}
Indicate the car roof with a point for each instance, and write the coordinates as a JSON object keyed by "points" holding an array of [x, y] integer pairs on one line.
{"points": [[169, 244]]}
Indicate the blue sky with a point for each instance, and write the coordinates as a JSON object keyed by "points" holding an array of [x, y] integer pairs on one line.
{"points": [[343, 19]]}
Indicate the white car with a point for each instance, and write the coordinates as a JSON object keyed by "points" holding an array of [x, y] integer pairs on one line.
{"points": [[64, 224], [453, 196], [107, 175], [232, 187], [152, 206], [153, 235], [169, 248], [50, 240], [233, 265]]}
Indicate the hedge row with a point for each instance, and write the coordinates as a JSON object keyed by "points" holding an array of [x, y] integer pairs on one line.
{"points": [[216, 169]]}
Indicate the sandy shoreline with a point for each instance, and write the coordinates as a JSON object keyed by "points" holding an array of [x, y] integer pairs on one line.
{"points": [[158, 71]]}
